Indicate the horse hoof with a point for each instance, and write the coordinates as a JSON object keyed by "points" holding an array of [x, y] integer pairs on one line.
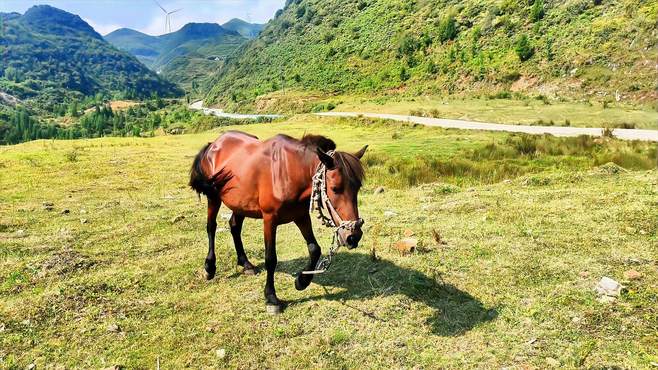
{"points": [[274, 309], [210, 275], [301, 285]]}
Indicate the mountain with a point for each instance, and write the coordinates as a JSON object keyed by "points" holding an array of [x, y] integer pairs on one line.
{"points": [[578, 49], [246, 29], [51, 56], [184, 56]]}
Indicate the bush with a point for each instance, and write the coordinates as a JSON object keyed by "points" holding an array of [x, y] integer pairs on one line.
{"points": [[523, 48], [447, 28], [537, 11]]}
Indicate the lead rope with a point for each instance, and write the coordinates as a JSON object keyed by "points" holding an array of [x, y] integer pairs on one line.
{"points": [[320, 201]]}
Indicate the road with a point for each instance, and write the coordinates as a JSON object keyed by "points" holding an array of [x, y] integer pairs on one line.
{"points": [[625, 134]]}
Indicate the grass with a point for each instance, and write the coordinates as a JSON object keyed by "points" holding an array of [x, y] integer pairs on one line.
{"points": [[505, 290], [509, 111]]}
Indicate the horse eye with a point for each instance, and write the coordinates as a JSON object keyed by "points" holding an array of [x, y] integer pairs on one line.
{"points": [[336, 189]]}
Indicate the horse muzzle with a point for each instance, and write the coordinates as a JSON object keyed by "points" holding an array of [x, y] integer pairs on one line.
{"points": [[352, 236]]}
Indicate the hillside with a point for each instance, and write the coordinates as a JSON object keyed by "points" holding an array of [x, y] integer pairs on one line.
{"points": [[184, 56], [51, 56], [246, 29], [578, 49]]}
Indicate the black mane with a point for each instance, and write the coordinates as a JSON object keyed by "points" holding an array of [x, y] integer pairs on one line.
{"points": [[319, 141]]}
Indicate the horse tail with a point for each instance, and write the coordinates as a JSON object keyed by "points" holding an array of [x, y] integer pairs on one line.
{"points": [[201, 183], [198, 180]]}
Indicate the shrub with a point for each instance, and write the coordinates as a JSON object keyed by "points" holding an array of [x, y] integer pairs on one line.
{"points": [[447, 28], [523, 48], [537, 11]]}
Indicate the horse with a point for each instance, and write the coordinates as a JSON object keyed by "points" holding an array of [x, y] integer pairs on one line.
{"points": [[279, 180]]}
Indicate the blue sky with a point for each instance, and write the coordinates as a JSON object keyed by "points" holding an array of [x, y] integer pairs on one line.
{"points": [[144, 15]]}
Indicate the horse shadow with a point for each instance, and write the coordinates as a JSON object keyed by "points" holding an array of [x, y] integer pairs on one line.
{"points": [[360, 277]]}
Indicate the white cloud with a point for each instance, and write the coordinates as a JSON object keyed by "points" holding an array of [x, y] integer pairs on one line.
{"points": [[103, 29]]}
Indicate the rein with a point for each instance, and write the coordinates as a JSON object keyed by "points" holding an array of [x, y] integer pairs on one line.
{"points": [[327, 214]]}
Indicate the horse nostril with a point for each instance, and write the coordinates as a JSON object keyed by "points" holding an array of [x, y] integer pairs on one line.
{"points": [[352, 240], [359, 222]]}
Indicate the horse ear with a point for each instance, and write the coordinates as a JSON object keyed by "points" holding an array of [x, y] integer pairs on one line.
{"points": [[361, 152], [326, 159]]}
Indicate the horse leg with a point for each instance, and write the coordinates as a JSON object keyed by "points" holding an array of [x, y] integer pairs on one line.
{"points": [[211, 228], [269, 227], [236, 229], [304, 224]]}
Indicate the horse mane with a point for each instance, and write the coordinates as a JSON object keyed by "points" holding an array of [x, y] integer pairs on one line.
{"points": [[349, 165], [319, 141]]}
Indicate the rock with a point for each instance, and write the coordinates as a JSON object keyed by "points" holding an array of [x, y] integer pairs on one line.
{"points": [[31, 367], [2, 327], [389, 214], [406, 245], [83, 211], [550, 361], [220, 352], [48, 206], [379, 190], [583, 274], [83, 220], [113, 328], [20, 233], [632, 275], [606, 299], [408, 233], [65, 212], [177, 219], [576, 320], [608, 287]]}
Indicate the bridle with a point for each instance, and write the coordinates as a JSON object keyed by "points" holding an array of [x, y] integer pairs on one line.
{"points": [[327, 214]]}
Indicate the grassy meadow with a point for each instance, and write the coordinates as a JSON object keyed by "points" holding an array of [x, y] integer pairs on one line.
{"points": [[102, 247]]}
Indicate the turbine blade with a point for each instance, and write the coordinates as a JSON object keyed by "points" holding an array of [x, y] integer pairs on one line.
{"points": [[175, 11], [160, 6]]}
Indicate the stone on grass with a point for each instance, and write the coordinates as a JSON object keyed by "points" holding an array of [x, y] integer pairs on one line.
{"points": [[20, 233], [632, 275], [583, 274], [389, 214], [113, 328], [406, 245], [178, 218], [608, 287], [379, 190], [83, 220], [220, 352]]}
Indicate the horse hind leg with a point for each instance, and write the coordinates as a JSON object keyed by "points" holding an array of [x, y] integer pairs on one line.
{"points": [[235, 224], [211, 227]]}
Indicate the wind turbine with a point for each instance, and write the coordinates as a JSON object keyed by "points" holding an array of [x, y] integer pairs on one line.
{"points": [[167, 16]]}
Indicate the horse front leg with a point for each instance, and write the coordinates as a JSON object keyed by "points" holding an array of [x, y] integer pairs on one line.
{"points": [[211, 228], [306, 227], [273, 304]]}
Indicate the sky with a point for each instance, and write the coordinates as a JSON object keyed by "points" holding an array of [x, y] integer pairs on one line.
{"points": [[145, 15]]}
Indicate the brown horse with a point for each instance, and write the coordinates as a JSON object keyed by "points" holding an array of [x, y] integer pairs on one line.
{"points": [[273, 180]]}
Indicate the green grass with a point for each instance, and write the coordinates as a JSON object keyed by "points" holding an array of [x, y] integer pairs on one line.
{"points": [[503, 291]]}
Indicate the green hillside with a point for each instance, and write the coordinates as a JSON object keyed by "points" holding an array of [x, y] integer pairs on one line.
{"points": [[51, 56], [186, 56], [246, 29], [576, 49]]}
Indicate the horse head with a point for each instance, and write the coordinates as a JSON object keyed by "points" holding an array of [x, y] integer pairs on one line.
{"points": [[344, 176]]}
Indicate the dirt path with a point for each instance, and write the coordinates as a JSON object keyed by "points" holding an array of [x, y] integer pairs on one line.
{"points": [[220, 113], [625, 134]]}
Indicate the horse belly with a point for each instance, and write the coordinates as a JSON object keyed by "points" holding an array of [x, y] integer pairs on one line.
{"points": [[241, 204]]}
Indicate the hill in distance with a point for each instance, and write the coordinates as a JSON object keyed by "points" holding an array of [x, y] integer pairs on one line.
{"points": [[579, 49], [50, 56], [246, 29], [187, 55]]}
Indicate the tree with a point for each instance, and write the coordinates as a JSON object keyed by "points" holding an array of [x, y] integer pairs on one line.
{"points": [[523, 48]]}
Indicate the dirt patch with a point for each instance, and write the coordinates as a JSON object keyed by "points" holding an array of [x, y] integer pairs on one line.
{"points": [[524, 83], [64, 262]]}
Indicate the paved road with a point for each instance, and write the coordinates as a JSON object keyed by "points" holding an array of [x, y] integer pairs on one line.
{"points": [[625, 134], [220, 113]]}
